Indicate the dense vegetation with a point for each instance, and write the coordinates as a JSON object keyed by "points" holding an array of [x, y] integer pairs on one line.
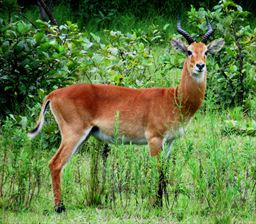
{"points": [[212, 171], [103, 14]]}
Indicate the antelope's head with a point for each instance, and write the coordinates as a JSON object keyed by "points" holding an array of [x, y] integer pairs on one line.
{"points": [[197, 51]]}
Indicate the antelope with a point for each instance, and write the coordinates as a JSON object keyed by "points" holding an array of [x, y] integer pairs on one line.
{"points": [[153, 116]]}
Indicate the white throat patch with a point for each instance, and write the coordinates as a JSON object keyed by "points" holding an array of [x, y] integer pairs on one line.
{"points": [[199, 77]]}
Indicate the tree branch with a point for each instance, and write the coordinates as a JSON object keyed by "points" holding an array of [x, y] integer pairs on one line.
{"points": [[44, 9]]}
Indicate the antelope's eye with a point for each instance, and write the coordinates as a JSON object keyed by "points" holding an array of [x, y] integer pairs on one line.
{"points": [[205, 53], [189, 52]]}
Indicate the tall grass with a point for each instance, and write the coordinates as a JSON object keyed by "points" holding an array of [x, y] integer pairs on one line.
{"points": [[210, 176]]}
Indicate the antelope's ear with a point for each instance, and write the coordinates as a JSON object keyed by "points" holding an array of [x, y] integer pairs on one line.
{"points": [[215, 46], [179, 45]]}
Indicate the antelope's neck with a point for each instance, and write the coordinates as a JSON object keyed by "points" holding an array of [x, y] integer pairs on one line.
{"points": [[190, 93]]}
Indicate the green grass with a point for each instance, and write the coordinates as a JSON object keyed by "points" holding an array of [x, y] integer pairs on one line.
{"points": [[88, 215], [213, 173]]}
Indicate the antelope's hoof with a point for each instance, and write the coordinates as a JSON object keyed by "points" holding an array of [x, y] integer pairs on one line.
{"points": [[60, 208]]}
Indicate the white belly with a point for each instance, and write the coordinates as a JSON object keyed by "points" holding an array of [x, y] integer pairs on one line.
{"points": [[118, 139], [170, 135]]}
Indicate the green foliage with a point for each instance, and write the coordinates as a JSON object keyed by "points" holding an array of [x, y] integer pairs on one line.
{"points": [[48, 57], [241, 128], [7, 7], [93, 195], [232, 72], [21, 167], [124, 60], [239, 124], [32, 59], [103, 13]]}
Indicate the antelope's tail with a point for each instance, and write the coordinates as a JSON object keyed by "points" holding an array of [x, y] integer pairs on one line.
{"points": [[40, 120]]}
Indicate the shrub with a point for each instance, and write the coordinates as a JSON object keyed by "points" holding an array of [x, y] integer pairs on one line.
{"points": [[48, 57], [21, 168], [32, 59], [232, 72]]}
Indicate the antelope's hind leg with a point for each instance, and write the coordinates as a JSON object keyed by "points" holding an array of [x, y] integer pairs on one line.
{"points": [[71, 140]]}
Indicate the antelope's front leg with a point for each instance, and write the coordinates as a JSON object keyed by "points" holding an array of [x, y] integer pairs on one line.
{"points": [[155, 145]]}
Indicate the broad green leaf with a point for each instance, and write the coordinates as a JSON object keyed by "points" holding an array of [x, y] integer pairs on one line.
{"points": [[95, 37]]}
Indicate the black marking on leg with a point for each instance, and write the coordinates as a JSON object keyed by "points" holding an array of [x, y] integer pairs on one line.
{"points": [[105, 152], [162, 190], [60, 208]]}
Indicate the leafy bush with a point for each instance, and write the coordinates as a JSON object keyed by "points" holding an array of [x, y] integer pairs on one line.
{"points": [[32, 59], [48, 57], [232, 72], [123, 60], [239, 124]]}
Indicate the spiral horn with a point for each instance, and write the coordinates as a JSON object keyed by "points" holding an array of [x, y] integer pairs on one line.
{"points": [[208, 33], [184, 33]]}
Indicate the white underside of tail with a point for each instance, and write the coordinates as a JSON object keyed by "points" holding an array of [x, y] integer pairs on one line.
{"points": [[31, 135], [40, 123]]}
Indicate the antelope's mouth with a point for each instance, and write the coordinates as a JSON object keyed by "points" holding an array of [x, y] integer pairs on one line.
{"points": [[198, 75], [198, 71]]}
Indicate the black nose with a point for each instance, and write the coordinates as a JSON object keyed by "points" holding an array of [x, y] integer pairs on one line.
{"points": [[200, 66]]}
